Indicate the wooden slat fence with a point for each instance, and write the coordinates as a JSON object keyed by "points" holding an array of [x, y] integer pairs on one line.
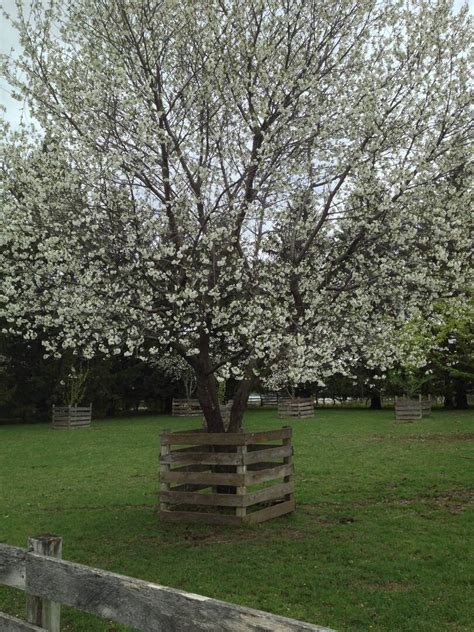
{"points": [[72, 416], [197, 469], [140, 604]]}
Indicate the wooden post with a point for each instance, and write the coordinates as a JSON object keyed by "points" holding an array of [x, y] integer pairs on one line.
{"points": [[241, 512], [164, 467], [43, 612], [288, 460]]}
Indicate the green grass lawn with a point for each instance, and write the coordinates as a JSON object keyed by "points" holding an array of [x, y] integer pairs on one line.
{"points": [[380, 539]]}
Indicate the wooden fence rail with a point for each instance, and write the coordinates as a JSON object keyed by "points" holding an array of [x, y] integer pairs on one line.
{"points": [[142, 605]]}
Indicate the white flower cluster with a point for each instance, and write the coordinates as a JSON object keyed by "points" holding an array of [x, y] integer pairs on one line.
{"points": [[269, 189]]}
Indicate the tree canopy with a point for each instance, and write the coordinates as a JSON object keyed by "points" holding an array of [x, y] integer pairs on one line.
{"points": [[263, 187]]}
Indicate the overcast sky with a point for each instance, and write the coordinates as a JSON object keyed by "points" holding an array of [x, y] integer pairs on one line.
{"points": [[9, 42]]}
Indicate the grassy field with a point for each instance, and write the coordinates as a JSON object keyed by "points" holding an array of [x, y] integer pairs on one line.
{"points": [[379, 541]]}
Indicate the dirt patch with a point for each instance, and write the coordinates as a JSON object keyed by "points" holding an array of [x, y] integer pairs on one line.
{"points": [[423, 438], [455, 500]]}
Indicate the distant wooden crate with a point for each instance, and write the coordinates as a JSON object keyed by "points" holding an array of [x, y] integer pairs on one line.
{"points": [[72, 416], [254, 400], [299, 407], [269, 400], [226, 478], [412, 409], [186, 408]]}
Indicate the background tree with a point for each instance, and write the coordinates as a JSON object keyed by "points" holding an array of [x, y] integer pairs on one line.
{"points": [[262, 185]]}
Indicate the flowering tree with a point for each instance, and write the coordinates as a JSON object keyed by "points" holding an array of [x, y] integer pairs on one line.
{"points": [[264, 185], [175, 367]]}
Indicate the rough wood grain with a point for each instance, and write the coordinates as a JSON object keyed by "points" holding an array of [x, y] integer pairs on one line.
{"points": [[145, 606], [256, 456], [43, 612], [270, 512], [197, 437], [12, 624], [12, 566], [241, 510], [269, 493], [206, 458], [194, 498], [209, 478], [269, 474]]}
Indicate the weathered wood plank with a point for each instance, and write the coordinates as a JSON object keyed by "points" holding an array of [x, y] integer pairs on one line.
{"points": [[263, 446], [188, 487], [12, 624], [241, 511], [206, 458], [12, 566], [145, 606], [269, 493], [270, 512], [212, 478], [192, 448], [268, 475], [192, 467], [44, 612], [57, 420], [256, 456], [223, 438], [263, 465], [195, 498], [288, 460]]}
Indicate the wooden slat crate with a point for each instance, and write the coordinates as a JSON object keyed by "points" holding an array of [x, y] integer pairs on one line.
{"points": [[226, 478], [426, 406], [269, 400], [72, 416], [254, 400], [299, 407], [186, 408], [412, 409]]}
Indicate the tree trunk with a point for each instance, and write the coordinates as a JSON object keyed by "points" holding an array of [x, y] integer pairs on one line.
{"points": [[208, 396], [448, 394], [241, 396], [375, 401], [460, 395]]}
